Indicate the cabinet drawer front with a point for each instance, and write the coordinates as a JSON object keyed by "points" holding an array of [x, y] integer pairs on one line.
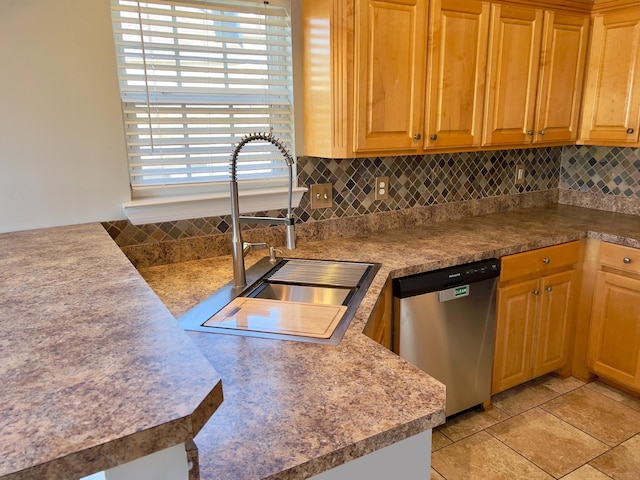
{"points": [[536, 262], [619, 257]]}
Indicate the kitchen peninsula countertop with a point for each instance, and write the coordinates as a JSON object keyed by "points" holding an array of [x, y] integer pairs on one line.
{"points": [[94, 370], [293, 409]]}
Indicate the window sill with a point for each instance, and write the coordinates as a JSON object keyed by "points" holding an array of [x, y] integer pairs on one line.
{"points": [[158, 210]]}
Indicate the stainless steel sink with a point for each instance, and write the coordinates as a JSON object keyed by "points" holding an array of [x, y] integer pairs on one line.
{"points": [[319, 282], [288, 292]]}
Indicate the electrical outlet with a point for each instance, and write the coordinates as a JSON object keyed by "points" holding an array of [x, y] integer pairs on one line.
{"points": [[520, 172], [321, 195], [382, 188]]}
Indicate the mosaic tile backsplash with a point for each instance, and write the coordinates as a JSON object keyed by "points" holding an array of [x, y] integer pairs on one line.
{"points": [[602, 170], [414, 181]]}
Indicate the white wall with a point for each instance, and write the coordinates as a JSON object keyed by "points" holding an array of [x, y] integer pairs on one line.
{"points": [[62, 152]]}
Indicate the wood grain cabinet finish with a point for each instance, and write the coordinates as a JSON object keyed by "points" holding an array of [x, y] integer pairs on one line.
{"points": [[390, 64], [614, 335], [535, 73], [458, 41], [414, 76], [564, 51], [534, 316], [611, 107], [380, 326]]}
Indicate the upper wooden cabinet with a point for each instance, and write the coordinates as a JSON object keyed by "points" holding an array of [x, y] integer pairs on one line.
{"points": [[327, 76], [535, 73], [414, 76], [458, 39], [611, 110], [390, 60], [564, 52], [514, 58]]}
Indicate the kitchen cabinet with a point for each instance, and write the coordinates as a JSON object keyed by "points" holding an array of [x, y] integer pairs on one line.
{"points": [[380, 326], [564, 52], [611, 110], [327, 76], [458, 40], [614, 334], [411, 76], [534, 318], [535, 72], [390, 63]]}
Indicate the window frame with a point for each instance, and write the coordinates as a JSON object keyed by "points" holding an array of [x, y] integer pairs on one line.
{"points": [[150, 204]]}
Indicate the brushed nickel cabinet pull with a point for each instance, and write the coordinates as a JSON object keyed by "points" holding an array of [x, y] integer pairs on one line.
{"points": [[630, 130], [536, 292], [542, 132], [434, 137], [546, 260], [417, 136], [626, 260], [549, 289], [529, 132]]}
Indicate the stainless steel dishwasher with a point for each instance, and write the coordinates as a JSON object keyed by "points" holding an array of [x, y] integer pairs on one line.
{"points": [[445, 325]]}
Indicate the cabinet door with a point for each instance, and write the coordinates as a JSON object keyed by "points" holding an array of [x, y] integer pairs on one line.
{"points": [[514, 57], [553, 335], [458, 38], [564, 47], [515, 323], [612, 91], [614, 336], [390, 71]]}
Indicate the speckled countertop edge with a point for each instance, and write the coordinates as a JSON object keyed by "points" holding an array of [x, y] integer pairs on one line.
{"points": [[269, 436], [95, 371]]}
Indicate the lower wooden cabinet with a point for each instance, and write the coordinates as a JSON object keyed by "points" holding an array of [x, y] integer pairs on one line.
{"points": [[515, 325], [614, 335], [534, 317], [554, 323], [380, 327]]}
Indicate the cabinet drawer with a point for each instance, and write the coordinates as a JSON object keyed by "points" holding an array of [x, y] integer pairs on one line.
{"points": [[619, 257], [537, 262]]}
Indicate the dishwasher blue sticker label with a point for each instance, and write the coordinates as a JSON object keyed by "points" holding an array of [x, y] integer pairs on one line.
{"points": [[453, 293]]}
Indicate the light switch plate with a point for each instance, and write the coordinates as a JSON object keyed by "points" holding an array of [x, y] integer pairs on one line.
{"points": [[520, 173], [321, 195]]}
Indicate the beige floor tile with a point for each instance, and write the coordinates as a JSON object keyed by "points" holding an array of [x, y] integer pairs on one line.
{"points": [[560, 385], [438, 440], [586, 472], [606, 419], [615, 394], [523, 397], [621, 462], [553, 445], [436, 476], [471, 422], [482, 457]]}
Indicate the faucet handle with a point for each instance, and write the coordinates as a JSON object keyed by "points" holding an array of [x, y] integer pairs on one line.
{"points": [[247, 246]]}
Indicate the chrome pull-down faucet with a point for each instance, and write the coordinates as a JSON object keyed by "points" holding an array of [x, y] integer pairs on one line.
{"points": [[238, 248]]}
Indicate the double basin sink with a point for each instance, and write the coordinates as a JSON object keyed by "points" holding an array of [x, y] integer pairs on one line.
{"points": [[293, 299]]}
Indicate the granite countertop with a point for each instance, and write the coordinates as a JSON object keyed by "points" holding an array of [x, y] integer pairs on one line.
{"points": [[94, 370], [294, 409]]}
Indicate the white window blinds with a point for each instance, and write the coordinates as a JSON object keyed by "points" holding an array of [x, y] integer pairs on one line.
{"points": [[195, 77]]}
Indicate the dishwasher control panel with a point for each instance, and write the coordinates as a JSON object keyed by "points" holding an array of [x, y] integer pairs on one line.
{"points": [[445, 278]]}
